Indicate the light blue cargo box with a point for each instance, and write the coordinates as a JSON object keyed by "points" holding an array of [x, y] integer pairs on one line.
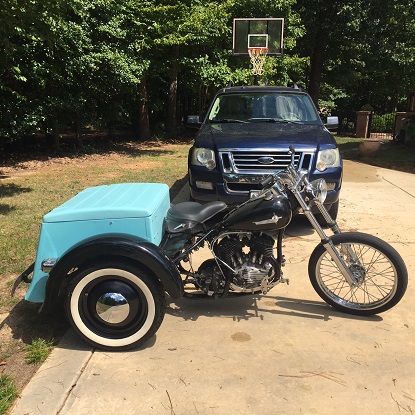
{"points": [[136, 209]]}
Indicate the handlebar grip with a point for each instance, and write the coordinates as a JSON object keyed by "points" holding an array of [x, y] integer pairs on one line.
{"points": [[267, 181]]}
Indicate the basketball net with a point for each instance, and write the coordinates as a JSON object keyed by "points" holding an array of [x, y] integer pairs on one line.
{"points": [[257, 56]]}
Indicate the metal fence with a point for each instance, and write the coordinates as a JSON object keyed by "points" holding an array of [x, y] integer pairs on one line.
{"points": [[382, 126], [347, 123]]}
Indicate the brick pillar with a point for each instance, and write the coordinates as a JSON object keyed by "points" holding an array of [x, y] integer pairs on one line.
{"points": [[362, 124], [398, 120]]}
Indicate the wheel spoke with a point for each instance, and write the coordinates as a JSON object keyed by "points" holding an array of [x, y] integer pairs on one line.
{"points": [[375, 277]]}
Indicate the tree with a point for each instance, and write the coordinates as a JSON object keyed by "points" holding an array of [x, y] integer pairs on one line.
{"points": [[111, 63], [23, 25], [331, 29], [359, 52], [182, 28], [389, 73]]}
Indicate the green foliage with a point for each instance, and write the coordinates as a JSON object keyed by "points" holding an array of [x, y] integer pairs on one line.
{"points": [[68, 63], [366, 50], [38, 350], [8, 393], [383, 123]]}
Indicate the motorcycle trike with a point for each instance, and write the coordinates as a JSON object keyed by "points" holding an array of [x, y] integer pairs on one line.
{"points": [[111, 255]]}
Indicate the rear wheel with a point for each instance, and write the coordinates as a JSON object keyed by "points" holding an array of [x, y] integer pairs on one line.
{"points": [[379, 273], [115, 305]]}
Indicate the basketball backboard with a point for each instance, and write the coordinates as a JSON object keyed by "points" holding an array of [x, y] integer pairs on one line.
{"points": [[258, 33]]}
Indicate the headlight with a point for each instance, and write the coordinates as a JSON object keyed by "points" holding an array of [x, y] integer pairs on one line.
{"points": [[203, 157], [318, 189], [328, 158]]}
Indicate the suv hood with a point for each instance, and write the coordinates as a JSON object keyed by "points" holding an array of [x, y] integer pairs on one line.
{"points": [[264, 134]]}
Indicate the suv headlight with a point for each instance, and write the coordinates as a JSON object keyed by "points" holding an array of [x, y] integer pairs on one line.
{"points": [[203, 157], [328, 158]]}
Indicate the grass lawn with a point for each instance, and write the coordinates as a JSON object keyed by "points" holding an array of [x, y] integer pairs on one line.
{"points": [[391, 155], [29, 188], [28, 193]]}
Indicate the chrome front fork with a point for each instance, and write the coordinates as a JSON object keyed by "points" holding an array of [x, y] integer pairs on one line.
{"points": [[325, 240]]}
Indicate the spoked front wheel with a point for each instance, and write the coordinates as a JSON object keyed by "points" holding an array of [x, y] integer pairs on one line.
{"points": [[380, 277]]}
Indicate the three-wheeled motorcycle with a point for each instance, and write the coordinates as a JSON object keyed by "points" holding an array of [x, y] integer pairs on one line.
{"points": [[111, 254]]}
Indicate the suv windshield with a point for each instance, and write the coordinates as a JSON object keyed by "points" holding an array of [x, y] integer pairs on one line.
{"points": [[263, 107]]}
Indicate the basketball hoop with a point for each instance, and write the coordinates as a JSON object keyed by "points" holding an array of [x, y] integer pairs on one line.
{"points": [[257, 55]]}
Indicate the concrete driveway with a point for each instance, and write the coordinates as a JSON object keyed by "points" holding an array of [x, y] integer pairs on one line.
{"points": [[283, 353]]}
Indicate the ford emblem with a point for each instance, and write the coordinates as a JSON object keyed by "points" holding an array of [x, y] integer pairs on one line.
{"points": [[266, 160]]}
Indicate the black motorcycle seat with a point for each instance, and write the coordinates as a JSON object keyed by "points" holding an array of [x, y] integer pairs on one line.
{"points": [[196, 212]]}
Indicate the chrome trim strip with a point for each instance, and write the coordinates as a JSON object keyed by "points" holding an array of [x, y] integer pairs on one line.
{"points": [[48, 264], [262, 149]]}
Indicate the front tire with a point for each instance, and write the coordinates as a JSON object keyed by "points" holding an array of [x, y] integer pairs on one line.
{"points": [[381, 277], [115, 305]]}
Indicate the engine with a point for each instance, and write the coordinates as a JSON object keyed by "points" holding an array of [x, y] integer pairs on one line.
{"points": [[249, 260]]}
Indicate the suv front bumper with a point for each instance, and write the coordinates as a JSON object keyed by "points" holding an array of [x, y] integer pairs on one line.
{"points": [[234, 189]]}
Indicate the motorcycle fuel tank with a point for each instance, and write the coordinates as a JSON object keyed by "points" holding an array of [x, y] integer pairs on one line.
{"points": [[261, 215]]}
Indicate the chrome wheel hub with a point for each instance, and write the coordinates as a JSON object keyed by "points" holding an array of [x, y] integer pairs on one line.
{"points": [[112, 307]]}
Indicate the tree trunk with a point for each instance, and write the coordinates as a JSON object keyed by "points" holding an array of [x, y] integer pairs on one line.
{"points": [[78, 130], [317, 60], [53, 137], [143, 117], [171, 121]]}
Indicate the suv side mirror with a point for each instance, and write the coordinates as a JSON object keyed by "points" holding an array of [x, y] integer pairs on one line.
{"points": [[193, 121], [332, 123]]}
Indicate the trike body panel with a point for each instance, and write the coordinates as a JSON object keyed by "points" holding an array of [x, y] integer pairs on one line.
{"points": [[135, 209]]}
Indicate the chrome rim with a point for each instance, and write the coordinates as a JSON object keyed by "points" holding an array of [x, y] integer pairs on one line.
{"points": [[374, 274], [112, 307]]}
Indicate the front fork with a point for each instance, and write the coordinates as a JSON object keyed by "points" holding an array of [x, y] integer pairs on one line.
{"points": [[325, 240]]}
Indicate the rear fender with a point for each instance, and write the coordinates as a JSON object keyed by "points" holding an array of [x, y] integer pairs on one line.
{"points": [[137, 250]]}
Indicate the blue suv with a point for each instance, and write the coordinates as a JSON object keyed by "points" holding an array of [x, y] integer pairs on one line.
{"points": [[246, 135]]}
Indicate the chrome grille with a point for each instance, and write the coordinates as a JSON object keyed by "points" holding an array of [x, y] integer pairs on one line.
{"points": [[262, 161]]}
